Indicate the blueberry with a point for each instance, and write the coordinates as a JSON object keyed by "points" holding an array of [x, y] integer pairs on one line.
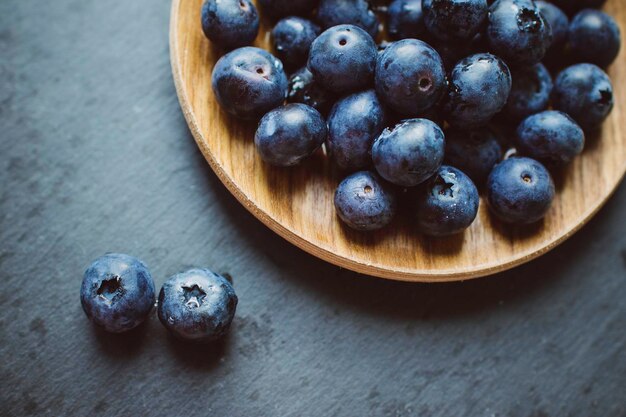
{"points": [[410, 153], [283, 8], [573, 6], [584, 92], [353, 124], [551, 137], [517, 32], [117, 292], [410, 77], [479, 88], [292, 39], [530, 92], [304, 89], [447, 203], [520, 190], [364, 202], [343, 58], [197, 305], [288, 134], [354, 12], [248, 82], [594, 37], [558, 22], [230, 23], [405, 19], [454, 19], [475, 152]]}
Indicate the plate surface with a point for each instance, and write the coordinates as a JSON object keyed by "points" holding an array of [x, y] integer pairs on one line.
{"points": [[297, 203]]}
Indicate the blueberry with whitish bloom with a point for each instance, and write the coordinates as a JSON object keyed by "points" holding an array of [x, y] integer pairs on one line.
{"points": [[363, 201], [288, 134], [453, 20], [343, 58], [292, 38], [584, 92], [530, 92], [475, 152], [405, 19], [230, 23], [354, 123], [197, 305], [479, 88], [559, 23], [551, 137], [447, 203], [248, 82], [354, 12], [594, 37], [117, 292], [410, 77], [410, 153], [520, 190]]}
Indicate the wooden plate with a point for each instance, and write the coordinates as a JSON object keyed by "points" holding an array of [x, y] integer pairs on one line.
{"points": [[297, 203]]}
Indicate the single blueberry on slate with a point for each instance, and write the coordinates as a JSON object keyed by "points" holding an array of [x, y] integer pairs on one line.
{"points": [[354, 12], [353, 124], [558, 22], [454, 19], [479, 88], [405, 19], [288, 134], [594, 37], [530, 92], [292, 37], [197, 305], [343, 58], [304, 89], [117, 292], [230, 23], [248, 82], [365, 202], [447, 203], [520, 190], [585, 93], [551, 137], [410, 77], [283, 8], [410, 153], [475, 152], [517, 32]]}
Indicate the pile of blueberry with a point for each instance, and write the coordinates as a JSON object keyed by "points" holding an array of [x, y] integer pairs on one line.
{"points": [[463, 96], [118, 294]]}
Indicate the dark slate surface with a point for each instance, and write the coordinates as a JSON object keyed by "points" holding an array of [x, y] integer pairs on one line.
{"points": [[96, 157]]}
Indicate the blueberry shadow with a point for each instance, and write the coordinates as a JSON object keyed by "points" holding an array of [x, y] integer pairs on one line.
{"points": [[197, 356], [125, 345]]}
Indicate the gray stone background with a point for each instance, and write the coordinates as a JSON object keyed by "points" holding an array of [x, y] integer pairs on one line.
{"points": [[96, 157]]}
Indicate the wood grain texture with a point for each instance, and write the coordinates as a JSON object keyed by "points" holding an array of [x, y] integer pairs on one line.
{"points": [[297, 203]]}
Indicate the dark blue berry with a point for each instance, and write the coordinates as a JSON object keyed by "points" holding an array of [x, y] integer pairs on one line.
{"points": [[354, 12], [117, 293], [475, 152], [584, 92], [410, 153], [410, 77], [520, 190], [304, 89], [558, 22], [282, 8], [353, 124], [230, 23], [288, 134], [364, 202], [594, 37], [405, 19], [447, 203], [343, 58], [530, 92], [551, 137], [479, 88], [248, 82], [573, 6], [292, 38], [517, 32], [197, 305], [454, 19]]}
